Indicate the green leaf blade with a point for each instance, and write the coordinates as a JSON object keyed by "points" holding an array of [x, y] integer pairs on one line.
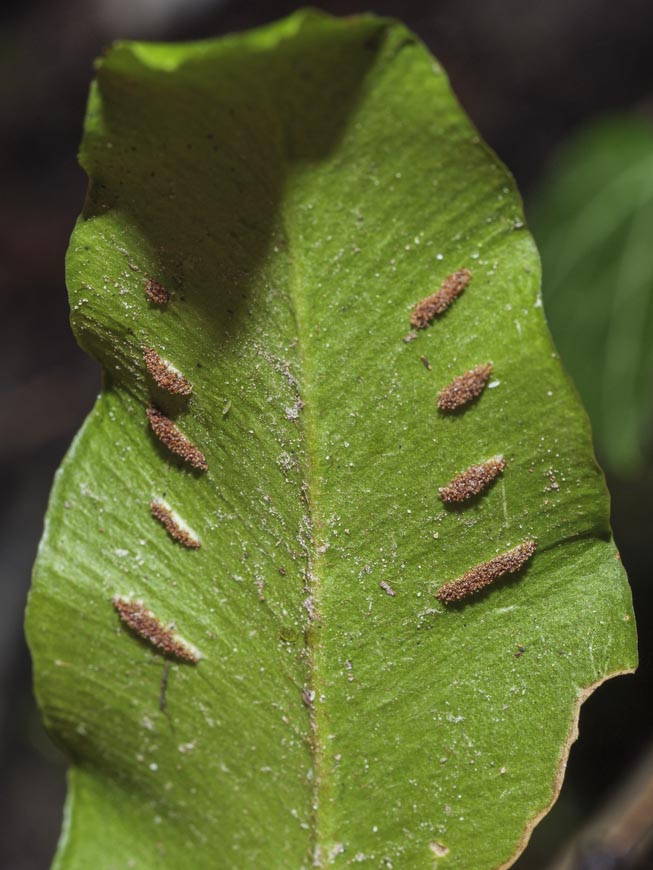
{"points": [[331, 182]]}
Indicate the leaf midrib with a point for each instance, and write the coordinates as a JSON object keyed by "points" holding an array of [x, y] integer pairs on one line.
{"points": [[310, 491]]}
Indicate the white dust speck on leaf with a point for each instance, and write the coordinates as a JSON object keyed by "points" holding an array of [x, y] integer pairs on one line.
{"points": [[439, 849]]}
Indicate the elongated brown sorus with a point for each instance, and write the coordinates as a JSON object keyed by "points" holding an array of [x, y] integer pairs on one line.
{"points": [[156, 293], [161, 512], [482, 575], [165, 375], [472, 480], [169, 434], [426, 310], [464, 388], [146, 625]]}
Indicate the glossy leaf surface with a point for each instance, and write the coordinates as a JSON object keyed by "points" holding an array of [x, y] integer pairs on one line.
{"points": [[297, 190]]}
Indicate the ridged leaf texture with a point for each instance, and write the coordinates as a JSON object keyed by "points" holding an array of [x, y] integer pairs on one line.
{"points": [[293, 192]]}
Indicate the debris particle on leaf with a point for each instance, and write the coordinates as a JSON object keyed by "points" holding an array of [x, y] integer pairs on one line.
{"points": [[169, 434], [553, 486], [472, 481], [464, 388], [439, 849], [156, 293], [163, 691], [165, 375], [173, 525], [437, 303], [487, 572], [146, 625], [387, 588]]}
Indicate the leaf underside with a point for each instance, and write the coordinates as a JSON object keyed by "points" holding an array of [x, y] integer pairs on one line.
{"points": [[296, 190]]}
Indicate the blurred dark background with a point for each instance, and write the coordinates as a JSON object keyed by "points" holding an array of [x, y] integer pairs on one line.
{"points": [[531, 76]]}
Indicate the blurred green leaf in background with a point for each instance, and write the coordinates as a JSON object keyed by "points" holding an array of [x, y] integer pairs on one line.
{"points": [[592, 220]]}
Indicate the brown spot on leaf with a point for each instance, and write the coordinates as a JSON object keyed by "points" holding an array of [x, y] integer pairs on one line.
{"points": [[439, 849], [161, 512], [145, 624], [169, 434], [472, 480], [464, 388], [487, 572], [156, 293], [165, 375], [437, 303]]}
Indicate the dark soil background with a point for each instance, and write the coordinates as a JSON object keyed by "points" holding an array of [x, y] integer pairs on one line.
{"points": [[528, 73]]}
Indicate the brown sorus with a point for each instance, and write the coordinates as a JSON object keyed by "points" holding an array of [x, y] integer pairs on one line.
{"points": [[464, 388], [156, 293], [437, 303], [164, 375], [472, 480], [145, 624], [427, 364], [168, 433], [487, 572], [164, 515]]}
